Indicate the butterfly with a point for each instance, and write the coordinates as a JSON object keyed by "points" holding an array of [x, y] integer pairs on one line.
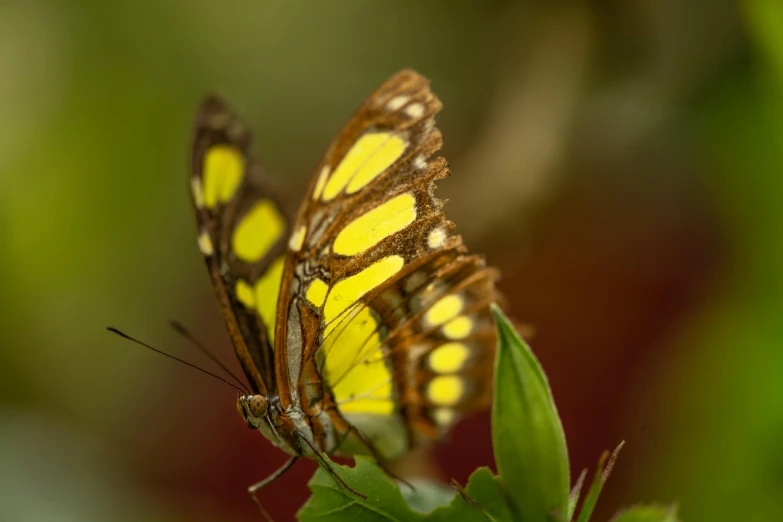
{"points": [[360, 321]]}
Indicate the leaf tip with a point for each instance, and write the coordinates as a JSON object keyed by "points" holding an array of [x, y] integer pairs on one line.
{"points": [[610, 463]]}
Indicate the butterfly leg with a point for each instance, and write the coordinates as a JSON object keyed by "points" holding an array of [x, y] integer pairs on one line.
{"points": [[378, 458], [268, 480], [329, 467]]}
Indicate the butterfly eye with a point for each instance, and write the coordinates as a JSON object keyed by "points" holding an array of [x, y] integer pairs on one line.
{"points": [[257, 404]]}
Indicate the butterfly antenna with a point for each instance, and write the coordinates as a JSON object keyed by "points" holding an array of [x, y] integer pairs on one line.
{"points": [[184, 332], [186, 363]]}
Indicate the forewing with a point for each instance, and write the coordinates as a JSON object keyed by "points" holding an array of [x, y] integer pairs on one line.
{"points": [[376, 274], [242, 230]]}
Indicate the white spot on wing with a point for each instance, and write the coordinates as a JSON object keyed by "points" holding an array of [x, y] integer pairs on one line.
{"points": [[205, 244], [197, 191], [419, 162], [297, 238], [414, 282], [436, 238], [415, 110], [319, 185], [443, 416], [397, 102]]}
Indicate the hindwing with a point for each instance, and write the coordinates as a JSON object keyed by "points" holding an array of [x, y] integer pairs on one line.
{"points": [[243, 228]]}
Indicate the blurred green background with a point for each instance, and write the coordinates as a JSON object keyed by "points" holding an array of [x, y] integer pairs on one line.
{"points": [[619, 161]]}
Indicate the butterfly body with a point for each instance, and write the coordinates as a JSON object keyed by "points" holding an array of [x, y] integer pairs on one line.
{"points": [[361, 322]]}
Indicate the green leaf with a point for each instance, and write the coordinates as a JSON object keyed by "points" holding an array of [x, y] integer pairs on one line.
{"points": [[648, 514], [427, 495], [527, 435], [602, 472], [331, 501], [483, 501]]}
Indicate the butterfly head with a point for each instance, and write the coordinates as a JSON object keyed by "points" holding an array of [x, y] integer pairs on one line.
{"points": [[253, 409]]}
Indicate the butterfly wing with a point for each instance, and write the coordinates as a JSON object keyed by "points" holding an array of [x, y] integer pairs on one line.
{"points": [[242, 226], [379, 299]]}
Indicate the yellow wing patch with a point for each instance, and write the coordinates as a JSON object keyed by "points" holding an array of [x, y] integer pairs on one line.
{"points": [[257, 231], [458, 328], [267, 291], [316, 292], [444, 310], [359, 384], [224, 167], [449, 357], [445, 390], [372, 154], [245, 293], [376, 400], [347, 291], [373, 226]]}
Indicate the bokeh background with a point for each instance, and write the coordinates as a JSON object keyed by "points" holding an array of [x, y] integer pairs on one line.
{"points": [[620, 161]]}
